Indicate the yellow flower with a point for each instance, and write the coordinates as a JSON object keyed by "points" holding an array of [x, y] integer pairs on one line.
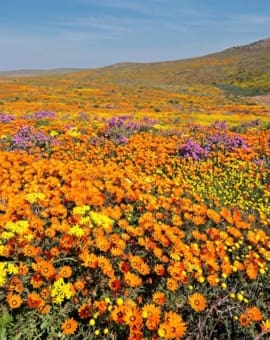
{"points": [[34, 196], [58, 299], [92, 322], [61, 290], [22, 226], [101, 220], [12, 269], [73, 132], [53, 133], [119, 301], [3, 273], [6, 235], [107, 300], [81, 210], [84, 220], [28, 237], [240, 297], [76, 231]]}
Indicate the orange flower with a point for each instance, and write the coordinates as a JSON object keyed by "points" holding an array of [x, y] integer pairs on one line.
{"points": [[250, 315], [252, 270], [152, 315], [117, 314], [101, 305], [84, 311], [22, 269], [30, 251], [255, 313], [115, 284], [133, 317], [47, 269], [132, 280], [159, 298], [45, 309], [45, 293], [173, 326], [172, 284], [159, 269], [213, 215], [65, 272], [36, 281], [245, 319], [69, 326], [14, 301], [79, 285], [213, 279], [35, 301], [16, 285], [105, 266], [197, 302]]}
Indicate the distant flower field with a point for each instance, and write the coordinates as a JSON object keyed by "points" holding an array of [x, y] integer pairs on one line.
{"points": [[128, 227]]}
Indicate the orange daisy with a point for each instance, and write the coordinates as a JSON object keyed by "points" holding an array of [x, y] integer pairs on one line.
{"points": [[159, 298], [132, 280], [65, 272], [47, 269], [14, 301], [84, 311], [151, 313], [133, 317], [69, 326], [197, 302]]}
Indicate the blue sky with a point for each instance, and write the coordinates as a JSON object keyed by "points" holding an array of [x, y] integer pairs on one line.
{"points": [[92, 33]]}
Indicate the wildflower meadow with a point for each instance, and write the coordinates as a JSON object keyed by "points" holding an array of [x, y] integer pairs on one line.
{"points": [[121, 221]]}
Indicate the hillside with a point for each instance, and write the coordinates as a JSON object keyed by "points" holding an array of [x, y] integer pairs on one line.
{"points": [[243, 70]]}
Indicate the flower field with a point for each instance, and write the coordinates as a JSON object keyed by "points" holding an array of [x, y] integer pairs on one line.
{"points": [[134, 226]]}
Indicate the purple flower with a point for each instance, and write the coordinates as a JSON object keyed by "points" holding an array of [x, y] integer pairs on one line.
{"points": [[27, 136], [228, 142], [40, 115], [259, 162], [219, 125], [193, 150], [119, 128], [44, 115], [5, 118], [123, 139]]}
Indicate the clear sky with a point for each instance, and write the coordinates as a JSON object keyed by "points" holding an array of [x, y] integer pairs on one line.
{"points": [[91, 33]]}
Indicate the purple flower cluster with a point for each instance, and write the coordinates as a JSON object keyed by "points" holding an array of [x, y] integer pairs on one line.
{"points": [[41, 115], [227, 142], [219, 125], [44, 115], [193, 150], [119, 128], [197, 152], [5, 118], [243, 127], [119, 121], [259, 162], [27, 137]]}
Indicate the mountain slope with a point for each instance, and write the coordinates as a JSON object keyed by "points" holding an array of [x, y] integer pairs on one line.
{"points": [[241, 70]]}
